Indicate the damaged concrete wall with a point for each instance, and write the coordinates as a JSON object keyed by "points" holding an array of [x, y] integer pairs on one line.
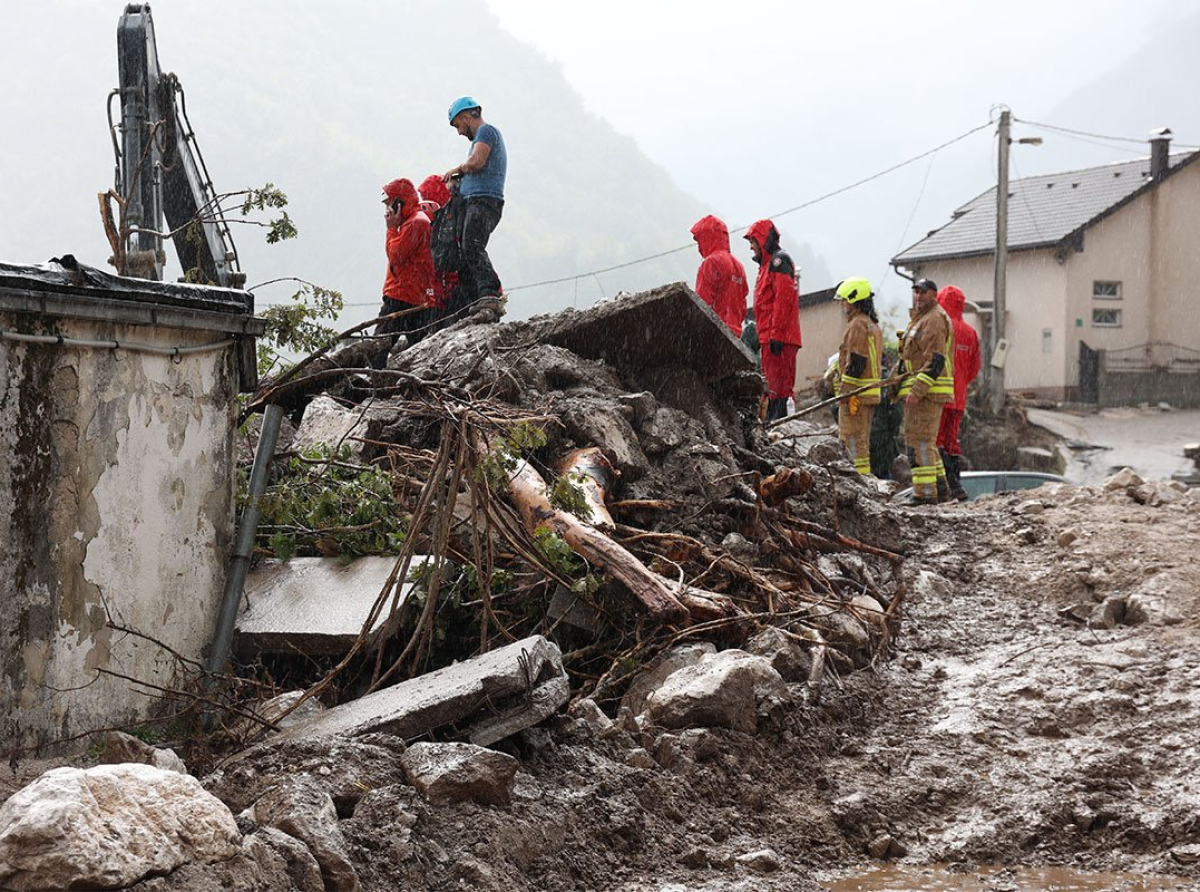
{"points": [[116, 504]]}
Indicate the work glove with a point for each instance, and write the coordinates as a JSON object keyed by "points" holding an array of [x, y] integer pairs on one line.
{"points": [[776, 347]]}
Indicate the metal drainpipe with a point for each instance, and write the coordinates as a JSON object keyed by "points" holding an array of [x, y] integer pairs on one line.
{"points": [[239, 563]]}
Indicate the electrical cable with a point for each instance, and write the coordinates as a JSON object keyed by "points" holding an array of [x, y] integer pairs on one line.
{"points": [[1057, 129], [173, 352]]}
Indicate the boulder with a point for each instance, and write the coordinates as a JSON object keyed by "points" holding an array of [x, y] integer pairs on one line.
{"points": [[591, 715], [274, 851], [460, 772], [120, 747], [762, 861], [327, 423], [345, 769], [730, 689], [304, 811], [1123, 479], [785, 654], [661, 669], [108, 827]]}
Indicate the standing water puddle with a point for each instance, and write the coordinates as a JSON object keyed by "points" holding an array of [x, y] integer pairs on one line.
{"points": [[1049, 879]]}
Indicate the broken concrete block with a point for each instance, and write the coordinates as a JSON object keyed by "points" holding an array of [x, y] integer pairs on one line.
{"points": [[730, 689], [327, 423], [491, 696], [108, 827], [312, 606], [669, 326], [460, 772]]}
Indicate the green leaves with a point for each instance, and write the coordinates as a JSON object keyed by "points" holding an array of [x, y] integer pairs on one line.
{"points": [[295, 327], [269, 198], [324, 505]]}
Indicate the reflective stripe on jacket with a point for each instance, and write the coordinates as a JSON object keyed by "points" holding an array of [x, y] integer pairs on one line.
{"points": [[862, 345], [929, 335]]}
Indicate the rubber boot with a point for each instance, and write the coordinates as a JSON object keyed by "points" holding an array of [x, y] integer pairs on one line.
{"points": [[943, 490], [954, 478]]}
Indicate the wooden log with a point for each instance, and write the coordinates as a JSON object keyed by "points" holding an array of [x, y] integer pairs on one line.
{"points": [[595, 475], [530, 494], [784, 484]]}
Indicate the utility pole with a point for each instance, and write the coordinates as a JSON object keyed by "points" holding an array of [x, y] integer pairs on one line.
{"points": [[1000, 282]]}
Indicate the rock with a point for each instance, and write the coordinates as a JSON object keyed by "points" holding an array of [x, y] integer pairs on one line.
{"points": [[591, 715], [1030, 507], [785, 655], [730, 689], [120, 747], [762, 861], [345, 769], [668, 750], [869, 610], [1123, 479], [396, 807], [884, 847], [839, 627], [1152, 608], [699, 743], [693, 858], [1068, 537], [639, 758], [1083, 818], [641, 406], [1108, 614], [661, 669], [927, 584], [109, 827], [460, 772], [304, 811], [274, 849], [1189, 854]]}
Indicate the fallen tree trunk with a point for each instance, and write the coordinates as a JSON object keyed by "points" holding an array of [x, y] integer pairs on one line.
{"points": [[530, 493], [595, 476]]}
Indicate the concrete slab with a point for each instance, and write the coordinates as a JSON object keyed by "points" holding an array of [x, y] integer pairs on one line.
{"points": [[486, 698], [669, 326], [313, 606]]}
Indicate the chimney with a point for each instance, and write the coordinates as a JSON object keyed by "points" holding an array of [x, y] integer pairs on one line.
{"points": [[1160, 151]]}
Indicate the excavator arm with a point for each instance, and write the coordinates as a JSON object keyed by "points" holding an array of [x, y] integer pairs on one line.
{"points": [[160, 173]]}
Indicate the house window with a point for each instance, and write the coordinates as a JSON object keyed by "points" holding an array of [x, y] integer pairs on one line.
{"points": [[1106, 318], [1106, 290]]}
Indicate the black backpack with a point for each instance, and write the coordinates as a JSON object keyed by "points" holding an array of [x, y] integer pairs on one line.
{"points": [[444, 236]]}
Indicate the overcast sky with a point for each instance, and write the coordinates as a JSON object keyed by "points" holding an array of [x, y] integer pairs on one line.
{"points": [[755, 108], [751, 108]]}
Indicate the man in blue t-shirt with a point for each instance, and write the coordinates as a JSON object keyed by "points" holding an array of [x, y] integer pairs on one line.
{"points": [[482, 191]]}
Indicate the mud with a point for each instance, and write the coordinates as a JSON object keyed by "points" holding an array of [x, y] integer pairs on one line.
{"points": [[1028, 879]]}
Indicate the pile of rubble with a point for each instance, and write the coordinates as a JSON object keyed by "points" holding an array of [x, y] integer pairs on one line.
{"points": [[597, 521]]}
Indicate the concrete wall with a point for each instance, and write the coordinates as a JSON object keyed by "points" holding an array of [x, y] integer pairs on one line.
{"points": [[821, 331], [116, 505]]}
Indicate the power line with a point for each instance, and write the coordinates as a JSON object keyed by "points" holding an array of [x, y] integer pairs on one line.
{"points": [[784, 213], [1067, 130]]}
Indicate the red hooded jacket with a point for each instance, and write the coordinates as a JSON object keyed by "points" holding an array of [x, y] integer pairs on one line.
{"points": [[966, 344], [721, 280], [776, 297], [410, 275]]}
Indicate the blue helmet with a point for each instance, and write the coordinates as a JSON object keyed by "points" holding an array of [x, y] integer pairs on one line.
{"points": [[461, 104]]}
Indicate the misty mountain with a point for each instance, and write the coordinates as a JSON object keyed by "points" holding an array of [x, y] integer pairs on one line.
{"points": [[328, 107], [1150, 89]]}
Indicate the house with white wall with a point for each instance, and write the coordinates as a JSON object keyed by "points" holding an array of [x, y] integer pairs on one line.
{"points": [[1103, 277]]}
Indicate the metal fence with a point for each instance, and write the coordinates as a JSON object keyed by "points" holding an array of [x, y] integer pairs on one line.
{"points": [[1154, 372]]}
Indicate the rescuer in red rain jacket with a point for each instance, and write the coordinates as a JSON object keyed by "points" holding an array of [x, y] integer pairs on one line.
{"points": [[966, 367], [410, 274], [777, 311], [721, 280]]}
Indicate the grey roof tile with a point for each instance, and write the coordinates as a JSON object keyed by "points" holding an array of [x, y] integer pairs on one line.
{"points": [[1042, 210]]}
